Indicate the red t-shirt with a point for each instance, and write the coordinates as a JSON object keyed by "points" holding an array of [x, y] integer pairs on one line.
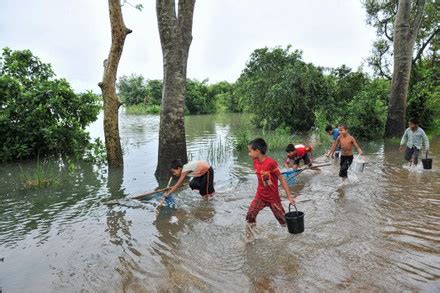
{"points": [[267, 173]]}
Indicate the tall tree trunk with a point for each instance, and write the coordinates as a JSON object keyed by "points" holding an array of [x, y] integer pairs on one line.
{"points": [[175, 36], [405, 34], [108, 87]]}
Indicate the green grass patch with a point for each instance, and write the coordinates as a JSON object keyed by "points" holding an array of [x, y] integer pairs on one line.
{"points": [[40, 177], [142, 109]]}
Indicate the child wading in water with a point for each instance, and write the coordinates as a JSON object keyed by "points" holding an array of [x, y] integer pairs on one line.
{"points": [[346, 142], [267, 195], [296, 153], [334, 134], [202, 176], [414, 137]]}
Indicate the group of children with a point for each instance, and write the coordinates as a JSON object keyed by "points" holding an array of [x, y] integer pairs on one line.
{"points": [[269, 174]]}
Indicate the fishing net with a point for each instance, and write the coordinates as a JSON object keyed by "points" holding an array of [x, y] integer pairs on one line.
{"points": [[291, 176]]}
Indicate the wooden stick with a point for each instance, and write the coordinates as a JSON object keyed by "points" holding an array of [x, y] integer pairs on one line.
{"points": [[149, 193], [307, 167]]}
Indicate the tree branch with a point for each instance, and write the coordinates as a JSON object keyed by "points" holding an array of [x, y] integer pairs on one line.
{"points": [[415, 25], [186, 11], [386, 29], [425, 44]]}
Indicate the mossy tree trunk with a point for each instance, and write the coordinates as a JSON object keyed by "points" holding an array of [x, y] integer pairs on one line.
{"points": [[175, 31], [108, 85], [405, 33]]}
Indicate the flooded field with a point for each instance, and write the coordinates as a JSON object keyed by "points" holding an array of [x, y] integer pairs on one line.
{"points": [[381, 232]]}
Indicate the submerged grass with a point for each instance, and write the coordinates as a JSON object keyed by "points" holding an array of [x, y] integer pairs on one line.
{"points": [[40, 177]]}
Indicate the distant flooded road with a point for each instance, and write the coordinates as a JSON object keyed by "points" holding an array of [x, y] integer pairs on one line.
{"points": [[379, 233]]}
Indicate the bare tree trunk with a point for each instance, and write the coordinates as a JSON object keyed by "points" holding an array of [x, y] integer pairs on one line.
{"points": [[108, 88], [175, 35], [404, 39]]}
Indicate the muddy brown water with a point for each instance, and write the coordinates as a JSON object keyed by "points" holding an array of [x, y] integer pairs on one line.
{"points": [[381, 232]]}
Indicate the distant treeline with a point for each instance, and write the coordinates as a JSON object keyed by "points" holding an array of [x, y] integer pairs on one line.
{"points": [[283, 91]]}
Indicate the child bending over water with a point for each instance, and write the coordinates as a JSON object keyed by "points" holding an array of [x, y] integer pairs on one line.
{"points": [[202, 176]]}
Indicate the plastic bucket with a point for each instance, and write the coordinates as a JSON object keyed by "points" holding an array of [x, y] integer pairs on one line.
{"points": [[295, 221], [427, 162], [358, 165]]}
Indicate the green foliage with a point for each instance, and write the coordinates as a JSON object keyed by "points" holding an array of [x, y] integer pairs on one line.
{"points": [[278, 139], [154, 92], [423, 97], [40, 177], [281, 89], [320, 124], [197, 100], [132, 89], [367, 111], [40, 114], [142, 109], [381, 15], [226, 100], [95, 152], [144, 96]]}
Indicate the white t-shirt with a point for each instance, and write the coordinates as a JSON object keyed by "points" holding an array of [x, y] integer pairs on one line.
{"points": [[196, 168]]}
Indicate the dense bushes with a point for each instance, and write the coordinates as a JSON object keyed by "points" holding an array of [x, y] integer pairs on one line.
{"points": [[40, 114], [280, 90], [144, 96]]}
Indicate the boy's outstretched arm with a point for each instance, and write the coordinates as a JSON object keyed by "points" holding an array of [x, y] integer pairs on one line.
{"points": [[357, 146], [177, 185], [286, 189]]}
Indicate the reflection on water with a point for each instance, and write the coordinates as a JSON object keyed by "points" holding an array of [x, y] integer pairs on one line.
{"points": [[379, 233]]}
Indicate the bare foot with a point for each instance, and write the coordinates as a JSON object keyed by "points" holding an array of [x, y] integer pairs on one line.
{"points": [[249, 232]]}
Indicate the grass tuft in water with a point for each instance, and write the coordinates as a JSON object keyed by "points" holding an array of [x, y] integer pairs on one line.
{"points": [[40, 177]]}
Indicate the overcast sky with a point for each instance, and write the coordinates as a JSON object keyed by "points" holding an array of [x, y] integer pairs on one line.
{"points": [[74, 35]]}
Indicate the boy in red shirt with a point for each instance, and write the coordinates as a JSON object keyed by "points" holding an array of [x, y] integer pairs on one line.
{"points": [[296, 153], [267, 195]]}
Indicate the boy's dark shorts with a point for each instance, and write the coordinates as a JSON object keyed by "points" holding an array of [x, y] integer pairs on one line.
{"points": [[345, 164], [412, 153], [204, 184], [305, 158]]}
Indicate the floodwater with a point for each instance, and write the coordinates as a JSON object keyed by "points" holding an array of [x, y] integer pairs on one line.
{"points": [[381, 232]]}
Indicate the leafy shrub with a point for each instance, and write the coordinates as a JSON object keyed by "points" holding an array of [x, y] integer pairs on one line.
{"points": [[40, 114], [368, 110], [279, 88]]}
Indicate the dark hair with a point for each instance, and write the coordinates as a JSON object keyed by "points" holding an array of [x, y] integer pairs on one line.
{"points": [[258, 144], [290, 148], [176, 164], [328, 128], [414, 120], [343, 126]]}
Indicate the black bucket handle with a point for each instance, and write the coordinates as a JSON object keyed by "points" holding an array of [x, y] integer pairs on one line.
{"points": [[295, 209], [426, 154]]}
